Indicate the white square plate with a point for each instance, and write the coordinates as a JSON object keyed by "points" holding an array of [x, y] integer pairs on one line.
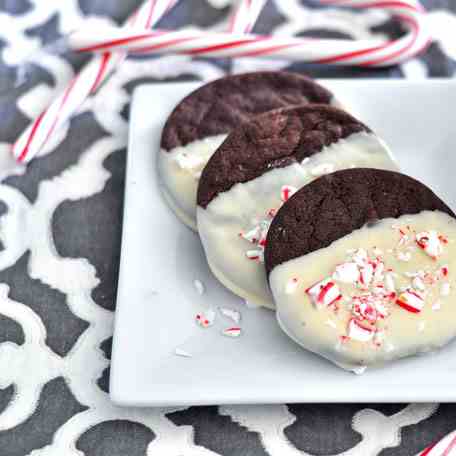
{"points": [[161, 258]]}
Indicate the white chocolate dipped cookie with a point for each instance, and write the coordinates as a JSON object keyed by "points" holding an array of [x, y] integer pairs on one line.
{"points": [[362, 266], [201, 121], [255, 171]]}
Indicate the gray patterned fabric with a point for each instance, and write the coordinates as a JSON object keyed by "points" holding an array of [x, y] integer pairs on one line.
{"points": [[60, 231]]}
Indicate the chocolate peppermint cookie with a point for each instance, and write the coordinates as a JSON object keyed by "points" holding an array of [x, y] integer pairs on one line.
{"points": [[361, 266], [202, 120], [257, 168]]}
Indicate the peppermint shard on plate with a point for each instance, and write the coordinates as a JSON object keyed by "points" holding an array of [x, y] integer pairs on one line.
{"points": [[342, 240], [259, 167]]}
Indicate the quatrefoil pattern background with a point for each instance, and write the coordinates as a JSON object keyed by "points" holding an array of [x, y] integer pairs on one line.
{"points": [[60, 227]]}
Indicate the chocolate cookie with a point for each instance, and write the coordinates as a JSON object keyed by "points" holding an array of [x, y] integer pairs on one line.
{"points": [[202, 120], [361, 266], [274, 140], [257, 168]]}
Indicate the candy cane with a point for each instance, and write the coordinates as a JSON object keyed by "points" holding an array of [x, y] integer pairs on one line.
{"points": [[346, 52], [445, 447], [89, 79], [244, 17], [36, 136]]}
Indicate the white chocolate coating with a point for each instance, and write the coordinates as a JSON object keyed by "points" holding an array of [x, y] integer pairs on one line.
{"points": [[327, 331], [180, 169], [246, 205]]}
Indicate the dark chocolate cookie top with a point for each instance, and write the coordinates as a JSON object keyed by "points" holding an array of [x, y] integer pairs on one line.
{"points": [[218, 107], [273, 140], [336, 204]]}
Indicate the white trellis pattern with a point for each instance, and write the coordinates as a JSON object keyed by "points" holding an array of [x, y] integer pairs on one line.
{"points": [[26, 226]]}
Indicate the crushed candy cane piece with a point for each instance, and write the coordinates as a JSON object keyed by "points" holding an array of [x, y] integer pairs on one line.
{"points": [[366, 312], [360, 257], [199, 286], [346, 273], [252, 235], [366, 275], [430, 242], [404, 256], [389, 283], [410, 300], [381, 309], [291, 285], [379, 269], [182, 353], [418, 284], [445, 289], [257, 236], [378, 289], [324, 293], [205, 319], [257, 255], [428, 278], [411, 274], [287, 192], [444, 271], [360, 332], [235, 331], [233, 314]]}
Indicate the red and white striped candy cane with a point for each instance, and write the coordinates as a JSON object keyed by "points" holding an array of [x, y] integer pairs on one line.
{"points": [[362, 53], [245, 15], [346, 52], [35, 137], [444, 447]]}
